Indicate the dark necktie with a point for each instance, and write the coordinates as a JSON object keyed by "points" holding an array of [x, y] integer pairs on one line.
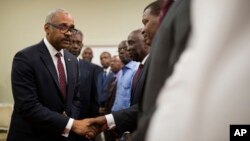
{"points": [[136, 77], [111, 94], [61, 72], [165, 8], [104, 76]]}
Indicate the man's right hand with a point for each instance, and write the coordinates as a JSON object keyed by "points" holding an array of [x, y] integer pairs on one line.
{"points": [[99, 122], [84, 128]]}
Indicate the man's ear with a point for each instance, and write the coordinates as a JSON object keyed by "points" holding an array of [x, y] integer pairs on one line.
{"points": [[46, 28]]}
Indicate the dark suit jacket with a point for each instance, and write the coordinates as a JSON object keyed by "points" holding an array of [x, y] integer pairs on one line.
{"points": [[97, 70], [169, 43], [111, 95], [39, 104], [88, 90], [102, 88], [88, 94], [126, 120], [136, 94]]}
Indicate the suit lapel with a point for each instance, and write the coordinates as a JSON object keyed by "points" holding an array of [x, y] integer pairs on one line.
{"points": [[137, 92], [48, 62], [69, 66]]}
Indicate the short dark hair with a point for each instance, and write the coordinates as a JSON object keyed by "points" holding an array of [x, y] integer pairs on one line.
{"points": [[105, 52], [155, 7]]}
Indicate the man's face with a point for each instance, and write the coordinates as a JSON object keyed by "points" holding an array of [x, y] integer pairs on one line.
{"points": [[123, 52], [115, 64], [105, 60], [54, 34], [76, 44], [151, 23], [87, 54], [136, 46]]}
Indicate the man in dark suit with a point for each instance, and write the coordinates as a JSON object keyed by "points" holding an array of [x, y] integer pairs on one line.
{"points": [[139, 52], [87, 88], [44, 84], [103, 79], [168, 44], [87, 54], [126, 120]]}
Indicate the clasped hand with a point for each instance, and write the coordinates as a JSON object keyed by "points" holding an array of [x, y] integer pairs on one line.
{"points": [[90, 127]]}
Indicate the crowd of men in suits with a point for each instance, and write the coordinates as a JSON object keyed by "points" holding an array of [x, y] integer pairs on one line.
{"points": [[59, 97]]}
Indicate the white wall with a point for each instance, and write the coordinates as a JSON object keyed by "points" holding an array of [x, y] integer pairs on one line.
{"points": [[112, 49], [103, 22]]}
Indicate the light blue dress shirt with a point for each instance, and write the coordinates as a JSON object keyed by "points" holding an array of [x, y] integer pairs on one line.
{"points": [[124, 85]]}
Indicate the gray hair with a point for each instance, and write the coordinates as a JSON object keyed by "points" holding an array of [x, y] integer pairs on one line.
{"points": [[79, 32], [51, 14]]}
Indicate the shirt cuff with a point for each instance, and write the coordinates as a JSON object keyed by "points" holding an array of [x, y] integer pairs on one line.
{"points": [[68, 127], [110, 121]]}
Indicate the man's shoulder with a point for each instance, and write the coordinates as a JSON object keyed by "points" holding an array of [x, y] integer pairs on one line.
{"points": [[133, 65], [69, 56], [30, 51], [97, 67], [81, 61]]}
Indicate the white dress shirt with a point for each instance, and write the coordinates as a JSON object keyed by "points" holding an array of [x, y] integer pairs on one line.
{"points": [[53, 53]]}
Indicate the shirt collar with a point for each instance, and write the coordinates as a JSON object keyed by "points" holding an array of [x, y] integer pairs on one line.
{"points": [[107, 69], [52, 49], [130, 65], [144, 60]]}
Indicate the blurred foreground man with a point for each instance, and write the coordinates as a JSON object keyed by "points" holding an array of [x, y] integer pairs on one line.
{"points": [[209, 89]]}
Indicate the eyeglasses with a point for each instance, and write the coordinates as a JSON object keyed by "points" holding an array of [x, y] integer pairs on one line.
{"points": [[63, 28]]}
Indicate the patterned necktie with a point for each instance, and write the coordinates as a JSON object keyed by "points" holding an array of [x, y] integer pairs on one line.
{"points": [[61, 72]]}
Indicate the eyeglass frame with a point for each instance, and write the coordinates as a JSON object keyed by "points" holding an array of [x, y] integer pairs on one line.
{"points": [[63, 28]]}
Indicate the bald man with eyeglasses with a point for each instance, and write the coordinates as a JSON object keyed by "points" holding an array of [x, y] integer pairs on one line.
{"points": [[45, 86]]}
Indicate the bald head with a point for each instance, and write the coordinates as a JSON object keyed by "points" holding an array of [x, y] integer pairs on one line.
{"points": [[136, 46]]}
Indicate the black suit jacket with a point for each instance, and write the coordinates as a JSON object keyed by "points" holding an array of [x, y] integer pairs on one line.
{"points": [[88, 94], [169, 43], [97, 70], [88, 90], [126, 120], [39, 104], [136, 94], [102, 87]]}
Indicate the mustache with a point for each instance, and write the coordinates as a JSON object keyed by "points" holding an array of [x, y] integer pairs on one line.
{"points": [[66, 39]]}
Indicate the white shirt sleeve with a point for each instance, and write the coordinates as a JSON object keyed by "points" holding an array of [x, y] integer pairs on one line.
{"points": [[68, 128], [110, 121]]}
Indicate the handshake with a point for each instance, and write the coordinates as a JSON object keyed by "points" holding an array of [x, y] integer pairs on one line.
{"points": [[90, 127]]}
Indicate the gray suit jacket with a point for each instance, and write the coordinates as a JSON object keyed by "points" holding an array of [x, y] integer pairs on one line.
{"points": [[170, 41]]}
